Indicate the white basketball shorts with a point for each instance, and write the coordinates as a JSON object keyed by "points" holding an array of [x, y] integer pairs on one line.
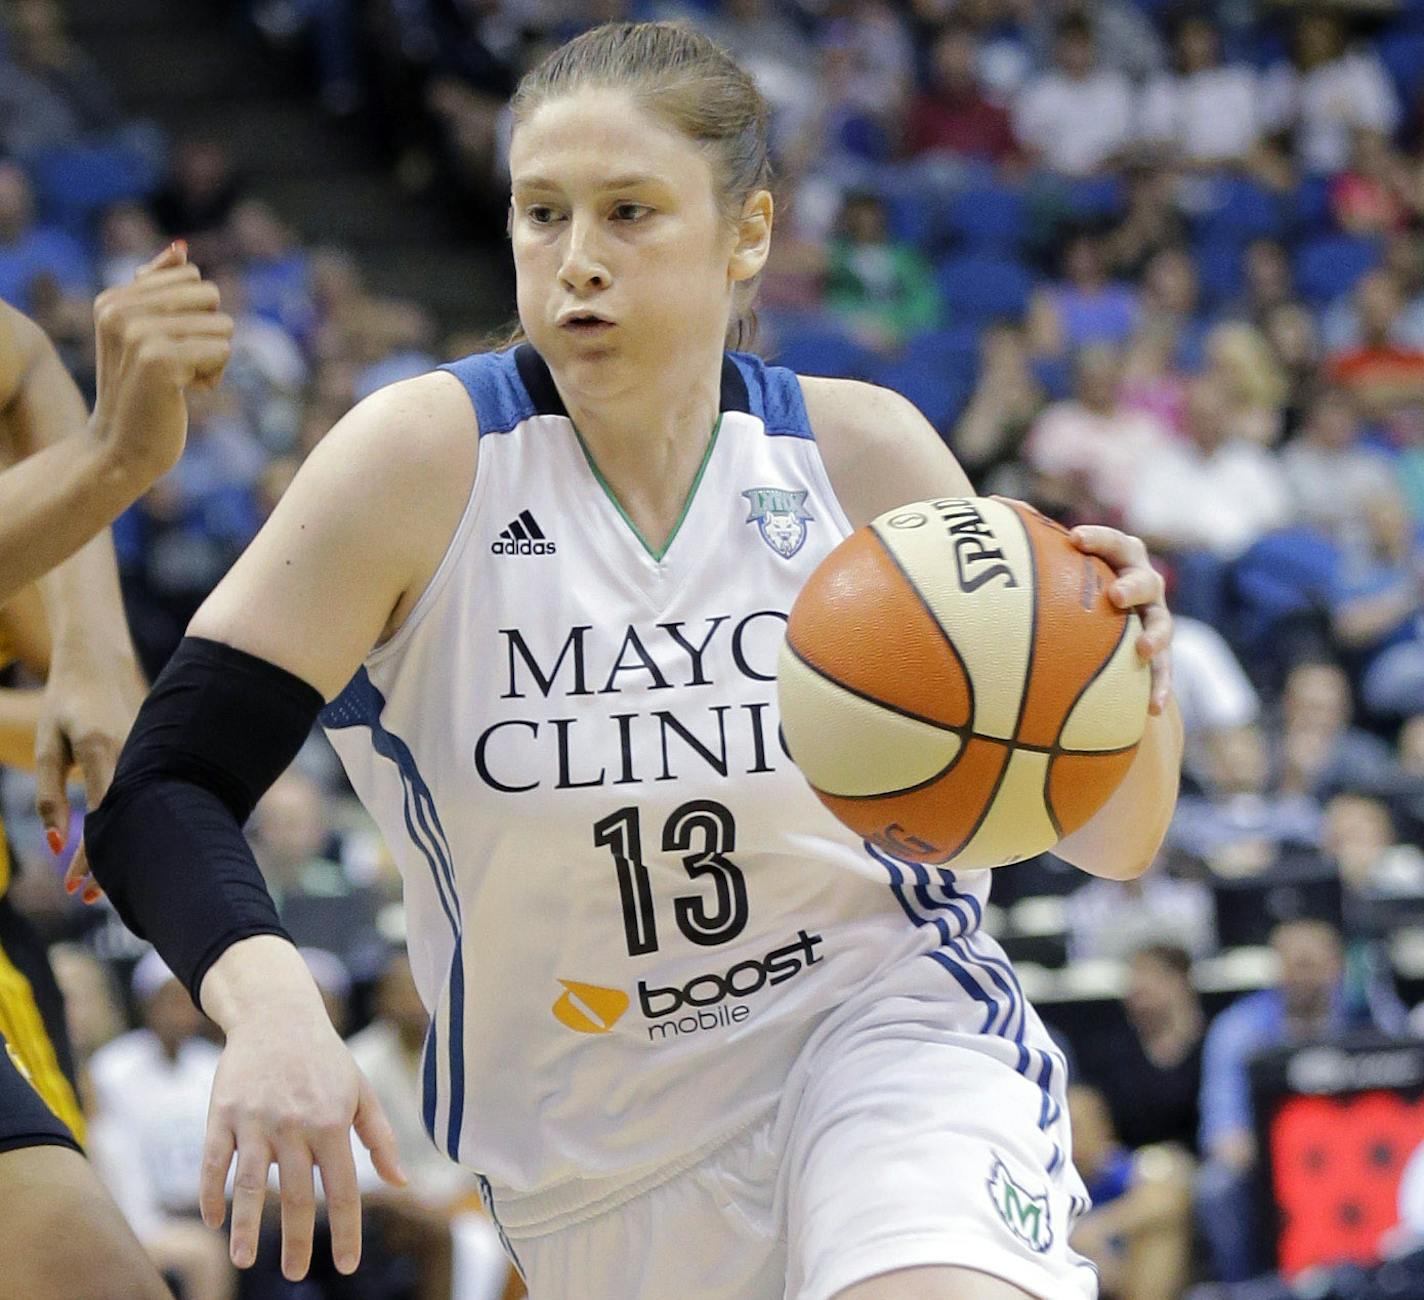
{"points": [[916, 1130]]}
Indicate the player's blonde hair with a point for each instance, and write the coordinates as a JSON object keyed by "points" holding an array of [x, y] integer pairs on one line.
{"points": [[695, 86]]}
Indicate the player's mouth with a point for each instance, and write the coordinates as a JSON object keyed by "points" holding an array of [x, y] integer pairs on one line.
{"points": [[585, 324]]}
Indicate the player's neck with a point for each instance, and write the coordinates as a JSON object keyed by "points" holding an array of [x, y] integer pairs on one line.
{"points": [[649, 447]]}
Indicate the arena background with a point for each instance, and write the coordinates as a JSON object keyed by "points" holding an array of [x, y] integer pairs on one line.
{"points": [[1158, 266]]}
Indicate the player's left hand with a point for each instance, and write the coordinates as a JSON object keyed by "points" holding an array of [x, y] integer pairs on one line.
{"points": [[1139, 586], [91, 699]]}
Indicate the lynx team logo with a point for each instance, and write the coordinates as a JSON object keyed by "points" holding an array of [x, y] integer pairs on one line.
{"points": [[1023, 1213], [781, 516]]}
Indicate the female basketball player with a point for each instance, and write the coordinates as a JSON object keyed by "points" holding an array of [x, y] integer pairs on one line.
{"points": [[155, 336], [682, 1021]]}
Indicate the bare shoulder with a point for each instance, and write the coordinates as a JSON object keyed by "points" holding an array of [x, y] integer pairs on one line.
{"points": [[878, 449]]}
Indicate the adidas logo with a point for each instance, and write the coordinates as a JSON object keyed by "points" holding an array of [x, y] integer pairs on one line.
{"points": [[522, 537]]}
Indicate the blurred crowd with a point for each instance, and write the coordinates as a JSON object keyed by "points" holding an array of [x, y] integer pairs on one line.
{"points": [[1153, 265]]}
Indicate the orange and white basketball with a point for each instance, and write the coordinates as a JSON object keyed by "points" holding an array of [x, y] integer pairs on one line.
{"points": [[956, 685]]}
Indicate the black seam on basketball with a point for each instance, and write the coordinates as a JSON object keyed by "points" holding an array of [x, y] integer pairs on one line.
{"points": [[968, 837], [1032, 623], [871, 699], [1083, 690], [904, 789], [1047, 802], [933, 617]]}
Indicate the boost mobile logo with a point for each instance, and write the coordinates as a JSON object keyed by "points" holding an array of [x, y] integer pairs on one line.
{"points": [[589, 1009]]}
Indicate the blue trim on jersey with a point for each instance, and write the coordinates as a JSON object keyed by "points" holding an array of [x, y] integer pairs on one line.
{"points": [[962, 963], [774, 395], [487, 1196], [361, 705], [496, 391]]}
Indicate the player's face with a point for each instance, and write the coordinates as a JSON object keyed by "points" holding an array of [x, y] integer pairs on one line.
{"points": [[622, 259]]}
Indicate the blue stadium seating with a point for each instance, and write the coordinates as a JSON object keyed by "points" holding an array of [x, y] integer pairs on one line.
{"points": [[988, 218], [925, 384], [825, 351], [978, 289], [1245, 211], [1329, 265]]}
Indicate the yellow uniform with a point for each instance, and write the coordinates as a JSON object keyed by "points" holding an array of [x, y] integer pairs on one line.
{"points": [[31, 1012]]}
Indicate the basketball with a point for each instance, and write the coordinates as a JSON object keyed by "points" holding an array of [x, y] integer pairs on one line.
{"points": [[956, 685]]}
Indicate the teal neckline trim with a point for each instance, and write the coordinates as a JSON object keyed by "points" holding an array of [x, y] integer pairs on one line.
{"points": [[657, 555]]}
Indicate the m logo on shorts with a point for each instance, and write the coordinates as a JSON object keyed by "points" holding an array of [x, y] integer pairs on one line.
{"points": [[589, 1008], [1024, 1213], [780, 514]]}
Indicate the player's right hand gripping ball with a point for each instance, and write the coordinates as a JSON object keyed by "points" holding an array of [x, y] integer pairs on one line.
{"points": [[956, 685]]}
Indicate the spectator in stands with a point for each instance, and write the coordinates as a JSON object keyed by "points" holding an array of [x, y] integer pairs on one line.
{"points": [[1377, 612], [1150, 1074], [1291, 331], [1203, 499], [1085, 306], [151, 1088], [1138, 1233], [51, 93], [1007, 399], [432, 1220], [882, 289], [1376, 194], [953, 114], [1240, 359], [1333, 480], [320, 907], [1306, 1005], [1171, 298], [1378, 309], [1325, 91], [1365, 845], [1152, 379], [199, 195], [1213, 693], [1203, 113], [30, 251], [276, 270], [1087, 453], [267, 371], [1383, 365], [1317, 749], [1152, 221], [128, 237], [1243, 821], [1268, 283], [1077, 118], [1123, 34]]}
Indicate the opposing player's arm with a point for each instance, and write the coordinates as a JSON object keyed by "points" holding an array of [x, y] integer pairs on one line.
{"points": [[55, 500], [881, 452]]}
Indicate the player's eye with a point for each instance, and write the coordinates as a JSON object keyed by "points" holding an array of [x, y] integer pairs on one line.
{"points": [[541, 214], [631, 211]]}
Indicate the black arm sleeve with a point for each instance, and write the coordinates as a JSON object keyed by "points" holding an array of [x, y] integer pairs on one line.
{"points": [[218, 728]]}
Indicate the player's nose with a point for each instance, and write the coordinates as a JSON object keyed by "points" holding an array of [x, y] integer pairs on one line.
{"points": [[582, 268]]}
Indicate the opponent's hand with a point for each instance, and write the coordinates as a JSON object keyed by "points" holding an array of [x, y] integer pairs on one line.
{"points": [[155, 337], [288, 1092], [1139, 586], [91, 698]]}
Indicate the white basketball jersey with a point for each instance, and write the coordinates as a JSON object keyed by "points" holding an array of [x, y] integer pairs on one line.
{"points": [[626, 909]]}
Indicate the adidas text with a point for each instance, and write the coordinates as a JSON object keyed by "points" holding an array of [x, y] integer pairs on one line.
{"points": [[507, 546]]}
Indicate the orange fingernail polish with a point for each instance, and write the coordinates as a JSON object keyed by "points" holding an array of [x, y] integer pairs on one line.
{"points": [[91, 895], [56, 841], [70, 886]]}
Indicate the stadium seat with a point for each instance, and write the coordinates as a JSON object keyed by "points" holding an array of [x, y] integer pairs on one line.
{"points": [[1218, 263], [954, 349], [1329, 265], [1096, 198], [978, 288], [988, 218], [74, 182], [825, 351], [1402, 53], [1311, 206], [941, 398], [1244, 211]]}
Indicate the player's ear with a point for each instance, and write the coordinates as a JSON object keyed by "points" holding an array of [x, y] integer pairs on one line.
{"points": [[753, 236]]}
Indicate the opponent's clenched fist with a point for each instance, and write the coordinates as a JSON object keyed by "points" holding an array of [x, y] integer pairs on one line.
{"points": [[156, 336]]}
